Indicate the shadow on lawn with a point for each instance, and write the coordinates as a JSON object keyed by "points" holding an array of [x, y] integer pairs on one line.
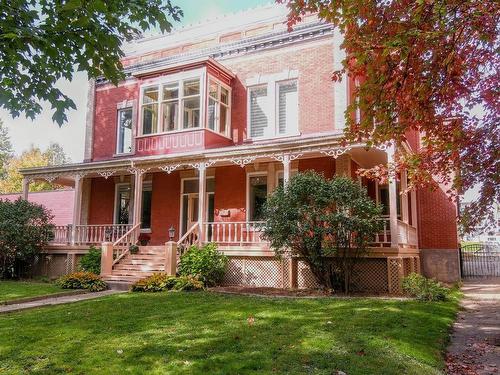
{"points": [[203, 333]]}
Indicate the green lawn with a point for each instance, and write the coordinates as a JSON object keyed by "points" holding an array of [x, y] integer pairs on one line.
{"points": [[204, 333], [12, 290]]}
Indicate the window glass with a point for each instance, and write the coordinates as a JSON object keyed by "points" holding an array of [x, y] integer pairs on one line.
{"points": [[223, 119], [123, 204], [212, 91], [224, 95], [150, 95], [258, 113], [191, 113], [146, 207], [149, 118], [384, 199], [212, 106], [124, 143], [192, 87], [171, 91], [170, 115], [190, 186], [287, 107], [258, 197]]}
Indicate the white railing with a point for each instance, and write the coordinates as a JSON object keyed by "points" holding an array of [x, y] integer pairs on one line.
{"points": [[239, 232], [189, 238], [407, 234], [383, 238], [61, 234], [97, 234], [121, 245]]}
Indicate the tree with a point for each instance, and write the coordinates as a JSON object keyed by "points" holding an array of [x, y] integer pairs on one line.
{"points": [[43, 41], [24, 229], [12, 182], [424, 66], [329, 223], [5, 148]]}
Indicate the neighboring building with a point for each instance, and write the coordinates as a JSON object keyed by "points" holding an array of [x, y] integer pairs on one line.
{"points": [[58, 202], [210, 119], [489, 233]]}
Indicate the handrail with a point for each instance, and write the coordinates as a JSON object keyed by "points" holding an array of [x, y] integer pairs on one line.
{"points": [[190, 237], [122, 250]]}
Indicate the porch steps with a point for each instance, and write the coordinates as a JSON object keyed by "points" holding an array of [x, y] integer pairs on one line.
{"points": [[133, 267]]}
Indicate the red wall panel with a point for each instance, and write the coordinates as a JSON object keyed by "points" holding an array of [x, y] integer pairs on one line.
{"points": [[102, 198]]}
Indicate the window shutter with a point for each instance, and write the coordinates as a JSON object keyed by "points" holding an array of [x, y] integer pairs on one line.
{"points": [[258, 114], [287, 108]]}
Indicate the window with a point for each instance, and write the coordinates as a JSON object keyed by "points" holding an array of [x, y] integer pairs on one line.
{"points": [[259, 121], [124, 131], [180, 106], [150, 110], [189, 201], [283, 120], [147, 193], [218, 108], [123, 199], [257, 196], [287, 107]]}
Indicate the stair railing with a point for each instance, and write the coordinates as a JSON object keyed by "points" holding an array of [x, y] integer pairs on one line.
{"points": [[191, 237], [121, 246]]}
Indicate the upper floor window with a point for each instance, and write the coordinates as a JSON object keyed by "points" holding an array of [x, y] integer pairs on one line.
{"points": [[273, 109], [171, 106], [124, 131], [218, 108]]}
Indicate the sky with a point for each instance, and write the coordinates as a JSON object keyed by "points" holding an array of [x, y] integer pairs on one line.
{"points": [[41, 131]]}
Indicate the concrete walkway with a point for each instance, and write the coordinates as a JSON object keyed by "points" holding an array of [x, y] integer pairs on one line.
{"points": [[55, 301], [475, 343]]}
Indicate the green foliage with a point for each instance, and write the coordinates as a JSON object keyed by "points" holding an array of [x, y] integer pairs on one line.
{"points": [[24, 230], [327, 222], [91, 262], [82, 280], [5, 148], [44, 41], [424, 289], [159, 282], [205, 263], [133, 249]]}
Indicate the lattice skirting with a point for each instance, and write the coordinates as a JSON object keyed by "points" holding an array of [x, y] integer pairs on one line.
{"points": [[55, 265], [372, 274]]}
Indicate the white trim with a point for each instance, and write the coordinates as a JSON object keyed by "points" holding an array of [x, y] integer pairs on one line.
{"points": [[220, 84], [247, 204], [119, 108]]}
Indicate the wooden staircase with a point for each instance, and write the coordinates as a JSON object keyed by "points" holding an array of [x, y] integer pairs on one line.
{"points": [[133, 267]]}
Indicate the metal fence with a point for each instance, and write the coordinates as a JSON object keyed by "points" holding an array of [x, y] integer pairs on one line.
{"points": [[480, 260]]}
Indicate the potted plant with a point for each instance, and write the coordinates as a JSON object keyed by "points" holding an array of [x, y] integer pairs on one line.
{"points": [[133, 249], [144, 239]]}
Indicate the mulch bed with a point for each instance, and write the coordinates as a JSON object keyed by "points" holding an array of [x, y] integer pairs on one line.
{"points": [[292, 293]]}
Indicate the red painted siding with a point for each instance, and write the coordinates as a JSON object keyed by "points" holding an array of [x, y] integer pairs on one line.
{"points": [[325, 166], [230, 193], [102, 198], [59, 202], [165, 205]]}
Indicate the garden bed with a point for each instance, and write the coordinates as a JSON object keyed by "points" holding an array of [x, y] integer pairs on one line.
{"points": [[293, 293]]}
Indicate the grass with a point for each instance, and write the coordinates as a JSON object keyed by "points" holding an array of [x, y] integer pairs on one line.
{"points": [[204, 333], [12, 290]]}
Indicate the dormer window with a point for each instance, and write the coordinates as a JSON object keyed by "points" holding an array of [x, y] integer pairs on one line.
{"points": [[183, 102]]}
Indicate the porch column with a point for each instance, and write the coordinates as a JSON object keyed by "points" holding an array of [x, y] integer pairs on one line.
{"points": [[393, 211], [404, 198], [138, 179], [202, 187], [413, 195], [26, 188], [286, 169], [77, 205]]}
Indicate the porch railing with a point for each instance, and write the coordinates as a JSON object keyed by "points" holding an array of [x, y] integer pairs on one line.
{"points": [[189, 238], [407, 234], [239, 232], [383, 238], [121, 245], [88, 234]]}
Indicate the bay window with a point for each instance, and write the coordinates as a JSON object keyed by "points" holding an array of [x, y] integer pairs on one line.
{"points": [[150, 110], [124, 131], [218, 108]]}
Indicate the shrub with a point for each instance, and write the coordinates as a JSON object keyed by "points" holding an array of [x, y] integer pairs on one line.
{"points": [[91, 262], [133, 249], [159, 282], [82, 280], [207, 264], [424, 289]]}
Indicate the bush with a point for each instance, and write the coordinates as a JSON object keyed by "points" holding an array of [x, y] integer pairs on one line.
{"points": [[424, 289], [82, 280], [159, 282], [91, 262], [207, 264]]}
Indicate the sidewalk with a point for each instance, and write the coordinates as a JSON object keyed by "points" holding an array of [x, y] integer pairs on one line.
{"points": [[55, 301], [475, 343]]}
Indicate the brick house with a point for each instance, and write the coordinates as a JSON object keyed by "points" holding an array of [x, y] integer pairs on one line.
{"points": [[210, 119]]}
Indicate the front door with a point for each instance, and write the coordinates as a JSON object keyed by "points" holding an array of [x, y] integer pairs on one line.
{"points": [[190, 203], [192, 210]]}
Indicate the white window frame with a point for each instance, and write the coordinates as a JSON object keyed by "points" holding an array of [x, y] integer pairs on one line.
{"points": [[272, 82], [115, 209], [117, 151], [159, 82], [207, 193], [249, 175], [220, 84]]}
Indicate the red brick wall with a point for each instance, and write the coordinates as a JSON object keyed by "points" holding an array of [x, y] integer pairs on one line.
{"points": [[59, 202], [315, 87], [325, 166], [102, 198], [436, 220], [230, 193], [105, 118], [165, 205]]}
